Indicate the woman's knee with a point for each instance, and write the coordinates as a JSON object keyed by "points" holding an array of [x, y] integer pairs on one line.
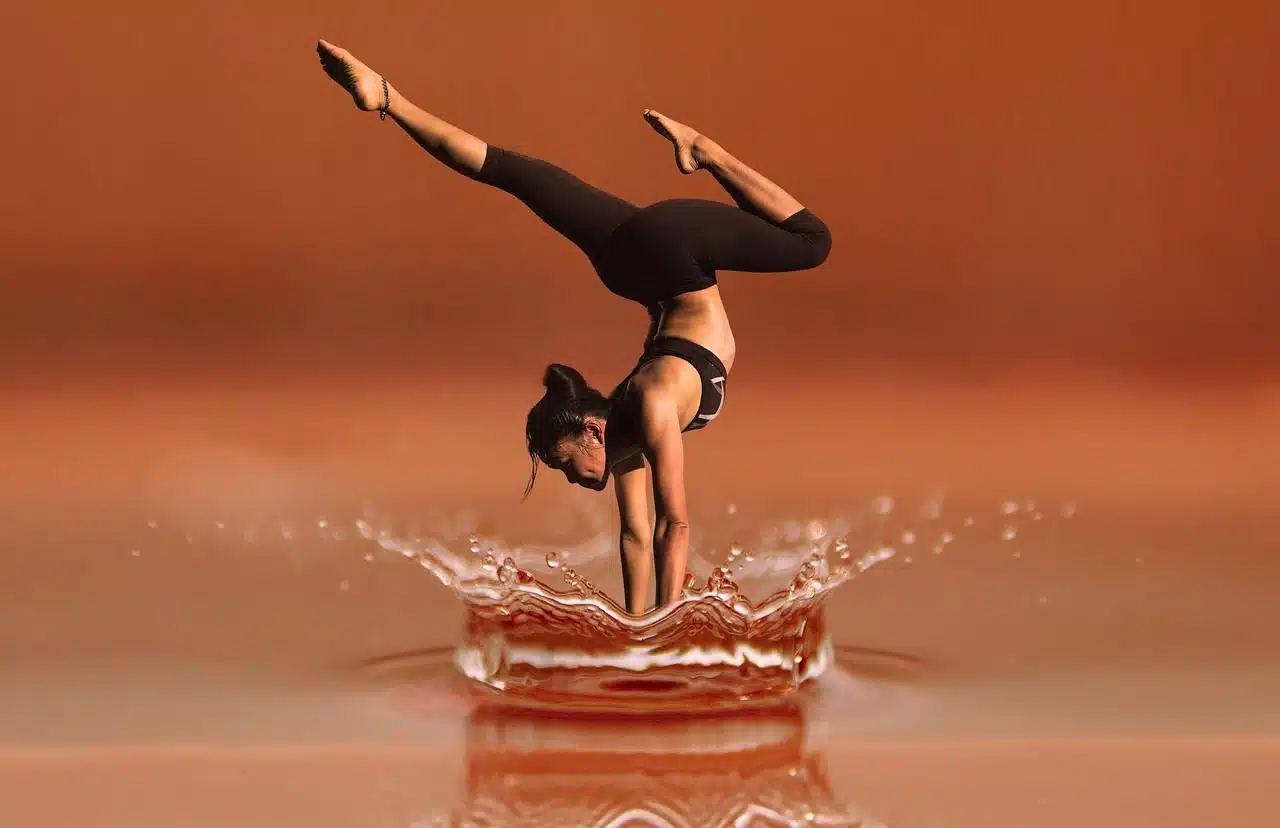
{"points": [[817, 244], [816, 235]]}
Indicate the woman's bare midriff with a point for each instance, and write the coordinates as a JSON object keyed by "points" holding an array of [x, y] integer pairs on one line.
{"points": [[699, 317]]}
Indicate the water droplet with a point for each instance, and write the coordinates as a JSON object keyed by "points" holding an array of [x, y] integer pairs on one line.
{"points": [[946, 538], [1008, 508], [816, 531], [1044, 600], [937, 550], [190, 539], [735, 550], [718, 579], [882, 505], [1017, 554], [907, 559], [344, 585], [368, 556], [365, 529], [219, 524], [842, 549], [1068, 510], [407, 551], [874, 557], [151, 524], [748, 557], [553, 560], [968, 521], [322, 524], [507, 573], [474, 545], [1009, 533], [731, 509], [908, 537], [137, 553], [488, 561]]}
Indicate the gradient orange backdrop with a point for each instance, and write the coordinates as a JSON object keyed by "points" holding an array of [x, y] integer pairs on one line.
{"points": [[1092, 184]]}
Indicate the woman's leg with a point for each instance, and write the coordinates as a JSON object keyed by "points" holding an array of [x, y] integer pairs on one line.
{"points": [[772, 232], [581, 213]]}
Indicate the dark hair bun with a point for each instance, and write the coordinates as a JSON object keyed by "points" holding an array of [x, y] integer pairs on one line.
{"points": [[563, 383]]}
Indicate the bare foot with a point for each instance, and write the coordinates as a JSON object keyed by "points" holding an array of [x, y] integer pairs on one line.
{"points": [[689, 143], [364, 84]]}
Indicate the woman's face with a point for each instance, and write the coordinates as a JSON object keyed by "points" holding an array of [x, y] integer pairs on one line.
{"points": [[582, 459]]}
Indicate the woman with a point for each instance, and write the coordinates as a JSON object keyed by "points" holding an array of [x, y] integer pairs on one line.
{"points": [[664, 256]]}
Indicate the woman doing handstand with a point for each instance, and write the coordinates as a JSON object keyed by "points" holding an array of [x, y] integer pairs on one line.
{"points": [[664, 256]]}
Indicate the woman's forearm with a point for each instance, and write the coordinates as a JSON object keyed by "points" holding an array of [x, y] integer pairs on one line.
{"points": [[671, 554], [637, 569]]}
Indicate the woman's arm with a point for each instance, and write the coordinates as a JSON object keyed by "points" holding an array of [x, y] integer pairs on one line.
{"points": [[634, 541], [664, 449]]}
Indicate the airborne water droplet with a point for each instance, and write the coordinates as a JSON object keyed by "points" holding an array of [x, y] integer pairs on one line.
{"points": [[816, 531], [553, 560], [1008, 508], [908, 537], [882, 505], [507, 572], [1009, 533], [874, 557]]}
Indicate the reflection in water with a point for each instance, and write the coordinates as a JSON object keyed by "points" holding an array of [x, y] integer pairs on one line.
{"points": [[743, 769]]}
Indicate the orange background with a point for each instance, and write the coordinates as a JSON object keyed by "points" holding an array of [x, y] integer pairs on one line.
{"points": [[1091, 184]]}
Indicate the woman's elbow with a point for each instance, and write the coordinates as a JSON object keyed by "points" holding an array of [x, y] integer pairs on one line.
{"points": [[668, 526]]}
